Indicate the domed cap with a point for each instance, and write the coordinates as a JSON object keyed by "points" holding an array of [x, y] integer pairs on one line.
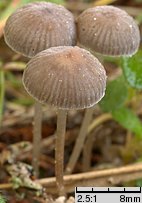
{"points": [[65, 77], [108, 30], [38, 26]]}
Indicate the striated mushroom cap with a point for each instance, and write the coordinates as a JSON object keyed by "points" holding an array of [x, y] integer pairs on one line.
{"points": [[108, 30], [38, 26], [65, 77]]}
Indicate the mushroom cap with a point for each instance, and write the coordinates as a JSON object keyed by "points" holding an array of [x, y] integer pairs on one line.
{"points": [[65, 77], [108, 30], [38, 26]]}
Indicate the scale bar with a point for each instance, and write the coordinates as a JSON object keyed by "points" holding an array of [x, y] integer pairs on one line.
{"points": [[109, 191]]}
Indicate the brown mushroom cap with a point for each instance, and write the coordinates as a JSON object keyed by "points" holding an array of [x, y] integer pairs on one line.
{"points": [[38, 26], [108, 30], [65, 77]]}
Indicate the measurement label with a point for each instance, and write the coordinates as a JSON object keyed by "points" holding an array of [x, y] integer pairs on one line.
{"points": [[108, 194]]}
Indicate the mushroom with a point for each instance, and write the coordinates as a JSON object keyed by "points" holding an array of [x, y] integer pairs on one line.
{"points": [[69, 78], [39, 26], [31, 29], [110, 31]]}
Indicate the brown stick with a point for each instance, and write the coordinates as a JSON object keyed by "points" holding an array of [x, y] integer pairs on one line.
{"points": [[108, 177]]}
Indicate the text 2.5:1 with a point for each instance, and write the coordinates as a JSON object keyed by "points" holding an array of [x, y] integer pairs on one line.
{"points": [[86, 198]]}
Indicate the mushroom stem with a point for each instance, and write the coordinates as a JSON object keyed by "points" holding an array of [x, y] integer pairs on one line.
{"points": [[59, 150], [37, 136], [80, 140], [2, 93], [87, 151]]}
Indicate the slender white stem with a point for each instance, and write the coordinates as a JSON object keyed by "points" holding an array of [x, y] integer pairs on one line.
{"points": [[37, 130], [59, 150], [89, 142], [87, 151], [80, 140], [2, 94]]}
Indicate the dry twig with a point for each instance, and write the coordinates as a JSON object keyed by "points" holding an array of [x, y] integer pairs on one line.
{"points": [[108, 177]]}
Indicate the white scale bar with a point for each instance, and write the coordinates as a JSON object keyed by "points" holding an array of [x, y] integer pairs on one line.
{"points": [[108, 195]]}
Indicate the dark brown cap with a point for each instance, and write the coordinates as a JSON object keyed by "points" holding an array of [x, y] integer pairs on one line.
{"points": [[38, 26], [65, 77], [108, 30]]}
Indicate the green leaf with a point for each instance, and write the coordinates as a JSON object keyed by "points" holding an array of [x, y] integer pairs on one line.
{"points": [[15, 82], [116, 95], [2, 199], [139, 19], [138, 1], [4, 4], [114, 60], [24, 101], [129, 120], [132, 68], [139, 183]]}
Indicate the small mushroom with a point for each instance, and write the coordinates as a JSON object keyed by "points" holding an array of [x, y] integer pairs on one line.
{"points": [[38, 26], [69, 78], [31, 29], [108, 30]]}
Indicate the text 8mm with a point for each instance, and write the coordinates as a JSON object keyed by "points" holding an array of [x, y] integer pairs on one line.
{"points": [[126, 199]]}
